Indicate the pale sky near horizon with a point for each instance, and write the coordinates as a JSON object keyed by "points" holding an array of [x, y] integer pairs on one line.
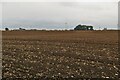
{"points": [[59, 15]]}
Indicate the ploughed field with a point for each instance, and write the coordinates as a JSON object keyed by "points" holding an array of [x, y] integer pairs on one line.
{"points": [[60, 54]]}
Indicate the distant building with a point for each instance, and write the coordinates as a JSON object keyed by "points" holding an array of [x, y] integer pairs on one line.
{"points": [[21, 29], [83, 27], [33, 29]]}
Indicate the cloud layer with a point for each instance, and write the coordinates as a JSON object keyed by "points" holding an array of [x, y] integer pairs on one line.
{"points": [[59, 15]]}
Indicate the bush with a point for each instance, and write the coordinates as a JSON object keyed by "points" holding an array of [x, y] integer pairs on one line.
{"points": [[6, 29]]}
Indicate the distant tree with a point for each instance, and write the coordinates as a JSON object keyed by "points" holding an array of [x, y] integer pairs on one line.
{"points": [[6, 29], [91, 28], [83, 27]]}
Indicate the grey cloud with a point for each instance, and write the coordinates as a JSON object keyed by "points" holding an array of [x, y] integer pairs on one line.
{"points": [[57, 13]]}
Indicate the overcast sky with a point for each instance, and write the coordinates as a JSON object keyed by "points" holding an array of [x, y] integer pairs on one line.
{"points": [[59, 15]]}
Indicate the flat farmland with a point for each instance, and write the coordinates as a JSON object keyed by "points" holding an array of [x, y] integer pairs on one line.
{"points": [[60, 54]]}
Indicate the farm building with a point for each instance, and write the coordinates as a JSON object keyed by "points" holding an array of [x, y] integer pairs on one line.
{"points": [[83, 27]]}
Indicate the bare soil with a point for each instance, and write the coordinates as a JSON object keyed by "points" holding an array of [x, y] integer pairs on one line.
{"points": [[55, 54]]}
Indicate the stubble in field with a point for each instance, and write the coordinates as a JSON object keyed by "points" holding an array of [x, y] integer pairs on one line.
{"points": [[75, 54]]}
